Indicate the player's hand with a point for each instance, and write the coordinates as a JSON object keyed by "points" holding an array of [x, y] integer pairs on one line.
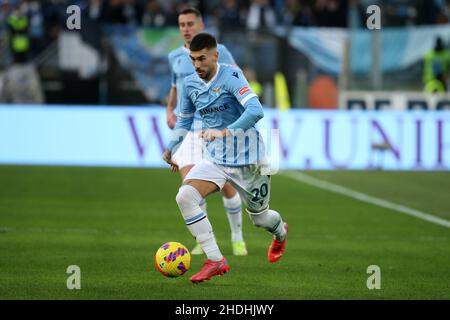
{"points": [[167, 157], [212, 134], [171, 119]]}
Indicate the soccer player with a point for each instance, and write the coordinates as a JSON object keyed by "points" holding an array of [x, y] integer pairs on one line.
{"points": [[229, 110], [190, 23]]}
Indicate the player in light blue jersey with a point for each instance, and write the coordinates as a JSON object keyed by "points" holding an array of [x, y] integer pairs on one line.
{"points": [[229, 110], [190, 152]]}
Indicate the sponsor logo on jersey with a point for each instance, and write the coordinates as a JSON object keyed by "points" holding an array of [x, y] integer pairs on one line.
{"points": [[214, 109], [244, 90]]}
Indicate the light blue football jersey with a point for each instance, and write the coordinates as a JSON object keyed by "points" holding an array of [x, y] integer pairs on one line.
{"points": [[226, 101], [181, 67]]}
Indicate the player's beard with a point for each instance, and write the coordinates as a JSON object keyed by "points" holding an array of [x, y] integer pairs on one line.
{"points": [[204, 74]]}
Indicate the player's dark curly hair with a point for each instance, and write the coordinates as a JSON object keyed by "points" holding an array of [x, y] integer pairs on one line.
{"points": [[203, 41]]}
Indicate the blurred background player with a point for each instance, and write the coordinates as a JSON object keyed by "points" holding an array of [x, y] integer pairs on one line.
{"points": [[436, 68], [190, 23], [229, 108]]}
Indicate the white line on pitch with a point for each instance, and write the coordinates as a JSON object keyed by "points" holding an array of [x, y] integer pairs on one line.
{"points": [[365, 197]]}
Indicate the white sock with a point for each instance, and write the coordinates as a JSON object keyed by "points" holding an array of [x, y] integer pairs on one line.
{"points": [[203, 206], [234, 214], [271, 221], [188, 199], [203, 233]]}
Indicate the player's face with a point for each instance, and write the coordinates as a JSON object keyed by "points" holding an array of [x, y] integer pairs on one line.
{"points": [[190, 25], [205, 62]]}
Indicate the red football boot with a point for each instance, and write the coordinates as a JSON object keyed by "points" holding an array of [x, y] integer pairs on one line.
{"points": [[211, 269], [276, 249]]}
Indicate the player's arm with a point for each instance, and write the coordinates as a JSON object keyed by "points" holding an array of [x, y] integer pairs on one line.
{"points": [[252, 114], [248, 99], [171, 99], [182, 127], [171, 104]]}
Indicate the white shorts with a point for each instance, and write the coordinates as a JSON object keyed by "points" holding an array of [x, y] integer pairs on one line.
{"points": [[190, 152], [253, 187]]}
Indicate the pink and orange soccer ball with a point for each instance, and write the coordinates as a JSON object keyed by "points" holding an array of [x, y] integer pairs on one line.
{"points": [[172, 259]]}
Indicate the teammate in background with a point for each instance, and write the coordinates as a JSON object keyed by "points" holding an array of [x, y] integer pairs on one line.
{"points": [[190, 23], [229, 109]]}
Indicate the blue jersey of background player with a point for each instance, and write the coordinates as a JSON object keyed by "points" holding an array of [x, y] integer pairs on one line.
{"points": [[181, 67]]}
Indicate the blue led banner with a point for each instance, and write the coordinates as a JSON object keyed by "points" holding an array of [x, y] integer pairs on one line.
{"points": [[136, 137]]}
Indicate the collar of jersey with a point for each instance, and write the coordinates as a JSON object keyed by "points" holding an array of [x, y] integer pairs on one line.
{"points": [[208, 84]]}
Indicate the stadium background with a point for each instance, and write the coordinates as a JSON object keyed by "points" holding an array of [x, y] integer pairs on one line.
{"points": [[82, 129]]}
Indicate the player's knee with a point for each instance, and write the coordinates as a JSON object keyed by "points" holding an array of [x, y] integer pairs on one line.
{"points": [[258, 218], [182, 196], [188, 198]]}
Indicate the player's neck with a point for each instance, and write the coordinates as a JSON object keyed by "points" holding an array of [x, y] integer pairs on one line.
{"points": [[213, 74]]}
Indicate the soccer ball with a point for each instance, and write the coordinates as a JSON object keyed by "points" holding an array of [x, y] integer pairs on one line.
{"points": [[172, 259]]}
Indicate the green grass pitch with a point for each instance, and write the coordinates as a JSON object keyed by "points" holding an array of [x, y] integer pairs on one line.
{"points": [[111, 221]]}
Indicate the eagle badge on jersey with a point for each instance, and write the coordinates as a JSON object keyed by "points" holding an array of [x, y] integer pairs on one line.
{"points": [[216, 90]]}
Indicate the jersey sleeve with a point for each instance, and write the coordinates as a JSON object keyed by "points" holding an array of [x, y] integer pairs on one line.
{"points": [[225, 56], [240, 88], [248, 99], [173, 76]]}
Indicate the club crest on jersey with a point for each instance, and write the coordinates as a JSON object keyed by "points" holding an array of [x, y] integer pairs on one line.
{"points": [[244, 90], [235, 74], [216, 90]]}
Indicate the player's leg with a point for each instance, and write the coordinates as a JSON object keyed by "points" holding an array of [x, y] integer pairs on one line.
{"points": [[197, 250], [188, 199], [255, 192], [202, 180], [186, 156], [232, 205], [183, 173], [272, 221]]}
